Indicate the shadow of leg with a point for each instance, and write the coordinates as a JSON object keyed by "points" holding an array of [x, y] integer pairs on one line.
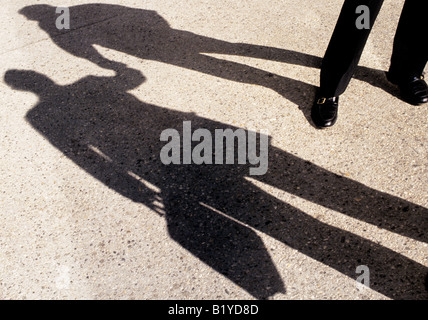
{"points": [[313, 183], [391, 274]]}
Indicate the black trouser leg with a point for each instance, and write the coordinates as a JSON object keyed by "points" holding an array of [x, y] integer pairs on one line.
{"points": [[410, 53], [345, 47]]}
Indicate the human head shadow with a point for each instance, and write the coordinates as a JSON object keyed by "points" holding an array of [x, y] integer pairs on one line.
{"points": [[216, 211], [147, 35], [115, 137]]}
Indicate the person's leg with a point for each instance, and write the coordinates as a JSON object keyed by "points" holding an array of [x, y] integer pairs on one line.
{"points": [[346, 47], [341, 58], [410, 53]]}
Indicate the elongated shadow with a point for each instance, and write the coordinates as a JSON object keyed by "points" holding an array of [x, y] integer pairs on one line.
{"points": [[214, 211], [146, 35]]}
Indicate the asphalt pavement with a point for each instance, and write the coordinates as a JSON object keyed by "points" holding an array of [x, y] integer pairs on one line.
{"points": [[93, 112]]}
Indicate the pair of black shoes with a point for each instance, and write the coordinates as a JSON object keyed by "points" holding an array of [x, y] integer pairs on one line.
{"points": [[324, 110]]}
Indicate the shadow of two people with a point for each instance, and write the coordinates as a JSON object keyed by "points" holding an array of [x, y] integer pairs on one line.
{"points": [[211, 210]]}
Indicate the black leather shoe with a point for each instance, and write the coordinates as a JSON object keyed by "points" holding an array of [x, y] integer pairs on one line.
{"points": [[413, 91], [324, 111]]}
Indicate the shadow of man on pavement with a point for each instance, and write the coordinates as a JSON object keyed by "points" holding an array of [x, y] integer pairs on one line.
{"points": [[215, 211]]}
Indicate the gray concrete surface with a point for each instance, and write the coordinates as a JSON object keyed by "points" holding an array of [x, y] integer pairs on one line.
{"points": [[88, 211]]}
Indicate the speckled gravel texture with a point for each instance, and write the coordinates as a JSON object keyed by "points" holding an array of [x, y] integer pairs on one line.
{"points": [[88, 210]]}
